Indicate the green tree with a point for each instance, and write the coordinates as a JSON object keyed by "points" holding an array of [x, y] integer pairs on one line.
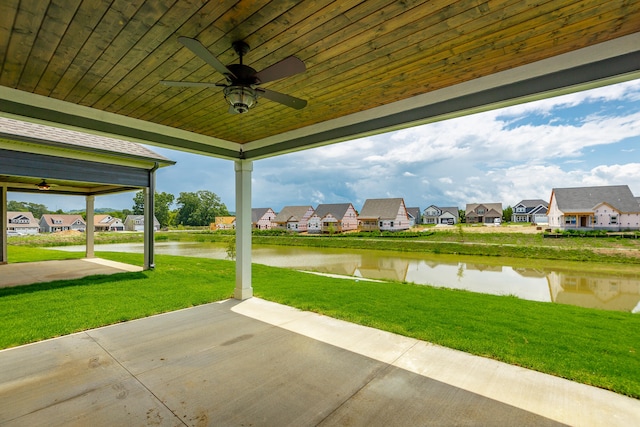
{"points": [[199, 208], [462, 215], [187, 209], [161, 208], [138, 203], [507, 214]]}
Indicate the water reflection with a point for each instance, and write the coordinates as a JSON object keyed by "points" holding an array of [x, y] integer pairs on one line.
{"points": [[572, 283]]}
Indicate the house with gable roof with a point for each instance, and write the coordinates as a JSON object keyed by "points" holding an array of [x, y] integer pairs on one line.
{"points": [[293, 218], [441, 215], [534, 211], [261, 218], [384, 215], [22, 223], [136, 223], [53, 223], [611, 207], [483, 213], [333, 218], [107, 223]]}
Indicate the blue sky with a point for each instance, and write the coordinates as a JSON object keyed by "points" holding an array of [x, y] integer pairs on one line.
{"points": [[588, 138]]}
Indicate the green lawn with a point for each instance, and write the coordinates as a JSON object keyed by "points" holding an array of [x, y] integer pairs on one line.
{"points": [[591, 346]]}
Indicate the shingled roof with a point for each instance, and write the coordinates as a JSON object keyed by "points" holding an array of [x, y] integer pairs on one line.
{"points": [[338, 210], [257, 213], [585, 199], [64, 138], [381, 208], [288, 212]]}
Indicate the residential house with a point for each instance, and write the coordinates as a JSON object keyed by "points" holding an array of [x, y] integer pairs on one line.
{"points": [[22, 223], [415, 216], [223, 223], [53, 223], [483, 213], [611, 207], [136, 223], [333, 218], [293, 218], [441, 215], [383, 215], [261, 218], [107, 223], [534, 211]]}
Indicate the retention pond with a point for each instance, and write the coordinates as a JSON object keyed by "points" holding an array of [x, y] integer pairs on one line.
{"points": [[605, 286]]}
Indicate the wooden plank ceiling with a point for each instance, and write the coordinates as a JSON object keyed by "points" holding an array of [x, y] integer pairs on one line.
{"points": [[111, 55]]}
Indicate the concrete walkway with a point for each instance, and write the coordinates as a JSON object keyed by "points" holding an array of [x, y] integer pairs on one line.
{"points": [[28, 273], [257, 363]]}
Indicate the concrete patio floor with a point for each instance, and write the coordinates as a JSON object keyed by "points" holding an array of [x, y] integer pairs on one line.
{"points": [[27, 273], [257, 363]]}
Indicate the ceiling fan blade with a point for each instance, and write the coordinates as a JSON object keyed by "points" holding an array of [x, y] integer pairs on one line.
{"points": [[203, 53], [189, 84], [288, 100], [285, 68]]}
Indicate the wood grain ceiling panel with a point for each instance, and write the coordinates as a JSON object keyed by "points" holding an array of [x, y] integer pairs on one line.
{"points": [[111, 55]]}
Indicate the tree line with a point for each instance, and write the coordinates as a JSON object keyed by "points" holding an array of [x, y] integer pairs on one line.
{"points": [[198, 208]]}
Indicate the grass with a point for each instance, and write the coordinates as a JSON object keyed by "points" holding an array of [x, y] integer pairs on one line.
{"points": [[590, 346]]}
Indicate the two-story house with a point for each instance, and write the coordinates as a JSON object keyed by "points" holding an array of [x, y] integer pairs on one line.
{"points": [[611, 207], [384, 215], [53, 223], [22, 223], [261, 218], [333, 218], [441, 215], [534, 211], [483, 213]]}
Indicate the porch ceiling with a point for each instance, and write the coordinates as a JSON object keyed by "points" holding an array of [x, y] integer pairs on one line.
{"points": [[372, 66]]}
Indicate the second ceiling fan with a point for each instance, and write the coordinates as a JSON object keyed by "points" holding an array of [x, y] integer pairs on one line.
{"points": [[242, 90]]}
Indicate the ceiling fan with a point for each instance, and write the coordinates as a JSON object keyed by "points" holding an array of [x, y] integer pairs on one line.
{"points": [[242, 91]]}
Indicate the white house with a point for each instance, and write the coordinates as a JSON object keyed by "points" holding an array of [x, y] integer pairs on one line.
{"points": [[534, 211], [611, 207], [441, 215], [336, 217], [22, 223], [136, 223], [384, 215], [293, 218]]}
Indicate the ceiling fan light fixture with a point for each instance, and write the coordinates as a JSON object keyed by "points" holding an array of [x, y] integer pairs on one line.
{"points": [[241, 98], [43, 185]]}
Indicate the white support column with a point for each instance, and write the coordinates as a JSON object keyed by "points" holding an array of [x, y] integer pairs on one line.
{"points": [[243, 170], [3, 225], [90, 228]]}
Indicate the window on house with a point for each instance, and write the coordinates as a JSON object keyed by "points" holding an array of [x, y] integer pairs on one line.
{"points": [[391, 225], [570, 220], [613, 219], [380, 224], [480, 211]]}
